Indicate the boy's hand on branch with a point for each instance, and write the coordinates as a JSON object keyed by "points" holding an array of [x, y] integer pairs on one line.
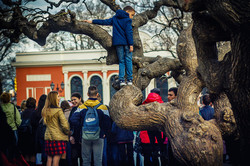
{"points": [[131, 49], [88, 21]]}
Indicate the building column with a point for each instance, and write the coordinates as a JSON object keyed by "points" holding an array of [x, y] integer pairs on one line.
{"points": [[85, 84], [105, 88], [66, 86]]}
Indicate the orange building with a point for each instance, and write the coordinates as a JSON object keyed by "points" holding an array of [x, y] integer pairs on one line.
{"points": [[70, 71]]}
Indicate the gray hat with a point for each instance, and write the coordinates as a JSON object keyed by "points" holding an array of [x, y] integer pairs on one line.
{"points": [[156, 90]]}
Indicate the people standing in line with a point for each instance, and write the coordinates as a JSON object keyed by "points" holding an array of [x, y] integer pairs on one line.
{"points": [[122, 40], [40, 129], [207, 112], [13, 119], [7, 139], [57, 130], [41, 103], [23, 106], [172, 161], [27, 132], [66, 110], [152, 141], [172, 93], [105, 146], [78, 119], [75, 146], [122, 150]]}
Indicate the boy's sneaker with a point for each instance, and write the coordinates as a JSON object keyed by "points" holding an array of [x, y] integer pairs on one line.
{"points": [[122, 83], [130, 82]]}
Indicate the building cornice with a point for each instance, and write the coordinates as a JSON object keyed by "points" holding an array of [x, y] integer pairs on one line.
{"points": [[55, 63], [61, 52]]}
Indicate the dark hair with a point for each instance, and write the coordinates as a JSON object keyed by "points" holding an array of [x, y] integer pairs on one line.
{"points": [[174, 89], [31, 102], [156, 90], [77, 95], [92, 91], [128, 8], [5, 97], [65, 105], [206, 99], [23, 105], [40, 106]]}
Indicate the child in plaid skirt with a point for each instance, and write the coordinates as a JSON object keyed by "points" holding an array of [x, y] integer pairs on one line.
{"points": [[57, 129]]}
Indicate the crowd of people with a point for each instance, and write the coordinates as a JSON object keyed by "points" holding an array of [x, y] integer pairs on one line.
{"points": [[78, 132], [52, 132]]}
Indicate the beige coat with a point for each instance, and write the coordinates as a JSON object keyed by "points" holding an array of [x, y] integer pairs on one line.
{"points": [[57, 127]]}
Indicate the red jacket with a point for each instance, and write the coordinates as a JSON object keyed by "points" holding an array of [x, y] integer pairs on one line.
{"points": [[152, 97]]}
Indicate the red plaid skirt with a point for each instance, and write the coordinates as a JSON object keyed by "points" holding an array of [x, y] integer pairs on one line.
{"points": [[55, 147]]}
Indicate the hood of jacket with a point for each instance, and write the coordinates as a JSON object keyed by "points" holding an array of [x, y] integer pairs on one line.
{"points": [[122, 14], [52, 111], [152, 97], [91, 102], [7, 106]]}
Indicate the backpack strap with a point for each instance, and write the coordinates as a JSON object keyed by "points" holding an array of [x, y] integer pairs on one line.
{"points": [[95, 107]]}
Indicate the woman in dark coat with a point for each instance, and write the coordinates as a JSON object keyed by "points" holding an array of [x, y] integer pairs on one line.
{"points": [[27, 138], [7, 139], [40, 129]]}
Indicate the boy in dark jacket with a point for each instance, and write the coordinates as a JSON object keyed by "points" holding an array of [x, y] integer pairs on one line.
{"points": [[122, 40], [122, 150], [77, 120]]}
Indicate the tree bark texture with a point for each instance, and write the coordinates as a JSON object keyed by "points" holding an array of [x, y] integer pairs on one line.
{"points": [[231, 75], [193, 140]]}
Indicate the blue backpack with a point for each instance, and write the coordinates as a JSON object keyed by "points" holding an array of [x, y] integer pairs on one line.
{"points": [[91, 129]]}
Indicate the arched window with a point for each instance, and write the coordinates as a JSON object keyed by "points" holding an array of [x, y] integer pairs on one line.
{"points": [[162, 84], [97, 81], [76, 85], [112, 90]]}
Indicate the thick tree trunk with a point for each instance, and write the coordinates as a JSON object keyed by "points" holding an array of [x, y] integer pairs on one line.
{"points": [[195, 142], [239, 87]]}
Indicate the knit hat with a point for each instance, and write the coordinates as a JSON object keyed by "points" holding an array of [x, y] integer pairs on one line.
{"points": [[156, 90]]}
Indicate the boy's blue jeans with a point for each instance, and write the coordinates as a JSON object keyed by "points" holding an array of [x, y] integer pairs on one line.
{"points": [[125, 62]]}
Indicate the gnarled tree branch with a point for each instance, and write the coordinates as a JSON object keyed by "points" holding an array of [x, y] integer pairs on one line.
{"points": [[191, 137]]}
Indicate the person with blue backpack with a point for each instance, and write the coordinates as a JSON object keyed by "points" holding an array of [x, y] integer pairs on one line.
{"points": [[95, 125]]}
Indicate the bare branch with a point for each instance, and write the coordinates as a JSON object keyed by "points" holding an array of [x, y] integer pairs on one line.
{"points": [[53, 4], [112, 5], [147, 71]]}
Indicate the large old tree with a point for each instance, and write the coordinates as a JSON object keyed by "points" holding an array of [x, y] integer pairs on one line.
{"points": [[200, 64]]}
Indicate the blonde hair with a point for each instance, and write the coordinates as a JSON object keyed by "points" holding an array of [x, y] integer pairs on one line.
{"points": [[50, 100]]}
